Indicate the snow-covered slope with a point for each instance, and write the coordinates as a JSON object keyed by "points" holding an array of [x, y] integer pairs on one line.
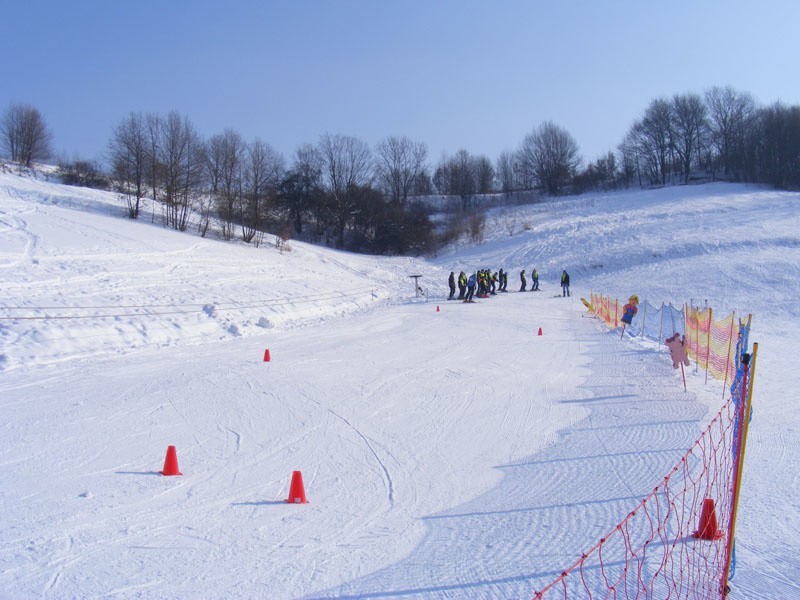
{"points": [[445, 453]]}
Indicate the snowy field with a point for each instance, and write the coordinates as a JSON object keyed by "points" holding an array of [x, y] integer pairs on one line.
{"points": [[447, 450]]}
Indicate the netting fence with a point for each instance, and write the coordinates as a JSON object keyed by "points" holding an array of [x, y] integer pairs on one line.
{"points": [[710, 344], [678, 542]]}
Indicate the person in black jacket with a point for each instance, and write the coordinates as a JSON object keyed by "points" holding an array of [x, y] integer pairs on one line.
{"points": [[564, 283], [452, 283], [522, 280]]}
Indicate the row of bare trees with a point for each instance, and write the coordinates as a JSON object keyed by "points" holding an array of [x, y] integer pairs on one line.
{"points": [[159, 157], [341, 192], [724, 134], [546, 160], [338, 190]]}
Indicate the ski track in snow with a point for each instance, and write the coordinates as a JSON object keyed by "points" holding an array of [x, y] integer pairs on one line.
{"points": [[639, 423], [369, 445]]}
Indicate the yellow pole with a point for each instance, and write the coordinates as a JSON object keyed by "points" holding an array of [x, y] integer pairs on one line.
{"points": [[708, 342], [740, 469]]}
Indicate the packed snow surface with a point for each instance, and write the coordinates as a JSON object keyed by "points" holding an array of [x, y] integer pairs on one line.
{"points": [[446, 449]]}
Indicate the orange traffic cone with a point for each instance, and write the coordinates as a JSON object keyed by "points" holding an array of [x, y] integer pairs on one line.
{"points": [[540, 331], [297, 494], [437, 308], [708, 522], [266, 355], [171, 462]]}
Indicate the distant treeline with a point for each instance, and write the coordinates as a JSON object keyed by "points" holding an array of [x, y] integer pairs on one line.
{"points": [[342, 193]]}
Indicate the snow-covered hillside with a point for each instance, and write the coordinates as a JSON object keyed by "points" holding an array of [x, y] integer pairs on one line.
{"points": [[447, 450]]}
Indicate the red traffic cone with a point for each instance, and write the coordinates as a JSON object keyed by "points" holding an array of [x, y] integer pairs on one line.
{"points": [[437, 308], [266, 355], [708, 522], [297, 494], [171, 462], [540, 331]]}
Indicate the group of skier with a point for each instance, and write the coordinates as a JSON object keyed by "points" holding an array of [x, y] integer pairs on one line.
{"points": [[486, 283]]}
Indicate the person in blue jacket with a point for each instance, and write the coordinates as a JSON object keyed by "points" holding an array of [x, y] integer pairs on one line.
{"points": [[471, 287]]}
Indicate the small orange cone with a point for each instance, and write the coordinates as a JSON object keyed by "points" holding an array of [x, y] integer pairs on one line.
{"points": [[297, 494], [266, 355], [171, 462], [708, 522], [437, 308], [540, 331]]}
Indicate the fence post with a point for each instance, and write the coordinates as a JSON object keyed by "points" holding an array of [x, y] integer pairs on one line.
{"points": [[746, 406], [708, 342], [644, 316]]}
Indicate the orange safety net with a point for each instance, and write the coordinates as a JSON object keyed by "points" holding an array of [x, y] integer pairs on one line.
{"points": [[711, 344]]}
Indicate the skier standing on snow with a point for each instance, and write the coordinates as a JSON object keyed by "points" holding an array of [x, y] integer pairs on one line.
{"points": [[471, 287], [534, 280], [462, 285], [452, 283], [479, 283], [504, 282], [564, 283], [523, 280]]}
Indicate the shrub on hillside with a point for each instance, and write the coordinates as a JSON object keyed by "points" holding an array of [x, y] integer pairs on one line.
{"points": [[83, 173]]}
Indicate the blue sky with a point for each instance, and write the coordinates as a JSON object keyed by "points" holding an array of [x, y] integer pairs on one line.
{"points": [[451, 74]]}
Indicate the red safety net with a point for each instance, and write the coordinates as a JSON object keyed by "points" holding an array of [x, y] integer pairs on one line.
{"points": [[674, 543]]}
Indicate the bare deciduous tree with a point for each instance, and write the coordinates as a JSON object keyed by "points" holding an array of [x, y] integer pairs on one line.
{"points": [[484, 174], [346, 168], [224, 166], [552, 154], [183, 160], [301, 191], [689, 129], [629, 161], [24, 135], [778, 148], [263, 172], [504, 168], [731, 115], [154, 125], [652, 139], [458, 176], [128, 153], [399, 162]]}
